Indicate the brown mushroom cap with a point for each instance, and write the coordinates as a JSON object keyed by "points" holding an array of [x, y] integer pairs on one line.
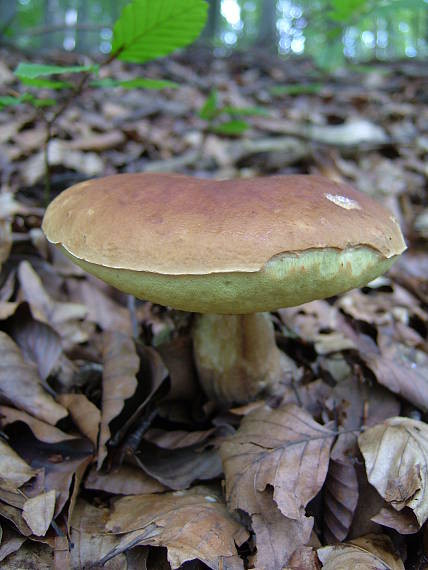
{"points": [[232, 246]]}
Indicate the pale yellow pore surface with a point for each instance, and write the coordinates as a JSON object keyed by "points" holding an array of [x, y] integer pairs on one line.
{"points": [[285, 281]]}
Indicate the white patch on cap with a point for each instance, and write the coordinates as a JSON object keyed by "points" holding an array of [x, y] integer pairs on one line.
{"points": [[343, 201], [210, 499]]}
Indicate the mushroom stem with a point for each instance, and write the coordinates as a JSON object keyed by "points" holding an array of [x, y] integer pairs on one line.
{"points": [[236, 356]]}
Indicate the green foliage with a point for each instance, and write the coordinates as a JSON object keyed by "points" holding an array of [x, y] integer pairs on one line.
{"points": [[10, 101], [147, 30], [214, 113], [231, 128], [137, 83], [297, 89], [35, 70], [209, 109], [45, 83]]}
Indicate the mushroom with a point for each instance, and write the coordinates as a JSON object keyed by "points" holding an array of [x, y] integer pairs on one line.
{"points": [[228, 250]]}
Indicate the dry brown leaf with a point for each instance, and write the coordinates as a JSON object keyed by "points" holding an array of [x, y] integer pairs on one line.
{"points": [[10, 542], [277, 537], [304, 558], [41, 430], [121, 365], [396, 455], [282, 447], [192, 524], [90, 540], [31, 555], [38, 512], [126, 480], [84, 413], [403, 521], [25, 391], [177, 439], [371, 552], [400, 368], [340, 491], [13, 468], [39, 343], [102, 310], [63, 317], [179, 468]]}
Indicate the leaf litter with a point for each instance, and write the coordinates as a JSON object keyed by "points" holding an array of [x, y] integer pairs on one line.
{"points": [[110, 453]]}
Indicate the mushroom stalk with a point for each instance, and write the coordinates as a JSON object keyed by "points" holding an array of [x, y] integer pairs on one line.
{"points": [[237, 357]]}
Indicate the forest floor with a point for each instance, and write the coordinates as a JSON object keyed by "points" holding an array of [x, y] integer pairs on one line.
{"points": [[111, 455]]}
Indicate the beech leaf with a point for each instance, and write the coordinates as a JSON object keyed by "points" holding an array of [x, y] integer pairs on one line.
{"points": [[396, 458], [284, 448], [20, 384]]}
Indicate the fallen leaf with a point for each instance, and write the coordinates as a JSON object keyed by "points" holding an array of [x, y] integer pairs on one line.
{"points": [[26, 391], [38, 512], [39, 343], [177, 439], [12, 467], [179, 468], [84, 414], [90, 540], [31, 555], [282, 447], [304, 558], [192, 524], [403, 521], [125, 480], [42, 431], [371, 552], [121, 365], [10, 542], [277, 536], [341, 490], [395, 454]]}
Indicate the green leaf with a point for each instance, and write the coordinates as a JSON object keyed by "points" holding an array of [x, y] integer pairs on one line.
{"points": [[147, 29], [10, 101], [234, 127], [297, 89], [139, 83], [45, 83], [209, 109], [245, 111], [43, 102], [34, 70], [344, 11]]}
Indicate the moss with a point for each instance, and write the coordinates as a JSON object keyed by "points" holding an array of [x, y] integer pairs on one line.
{"points": [[286, 280]]}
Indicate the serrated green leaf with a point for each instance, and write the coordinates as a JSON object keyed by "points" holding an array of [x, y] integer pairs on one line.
{"points": [[231, 128], [137, 83], [45, 83], [149, 29], [297, 89], [245, 111], [209, 109], [34, 70]]}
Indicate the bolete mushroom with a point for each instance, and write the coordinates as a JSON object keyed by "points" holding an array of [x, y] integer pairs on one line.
{"points": [[228, 250]]}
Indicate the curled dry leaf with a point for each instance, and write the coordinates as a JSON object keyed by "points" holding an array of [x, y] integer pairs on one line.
{"points": [[13, 468], [39, 343], [396, 455], [192, 524], [277, 537], [403, 521], [62, 317], [370, 552], [284, 448], [90, 540], [25, 391], [126, 480], [178, 468], [84, 413], [38, 512], [121, 365], [41, 430]]}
